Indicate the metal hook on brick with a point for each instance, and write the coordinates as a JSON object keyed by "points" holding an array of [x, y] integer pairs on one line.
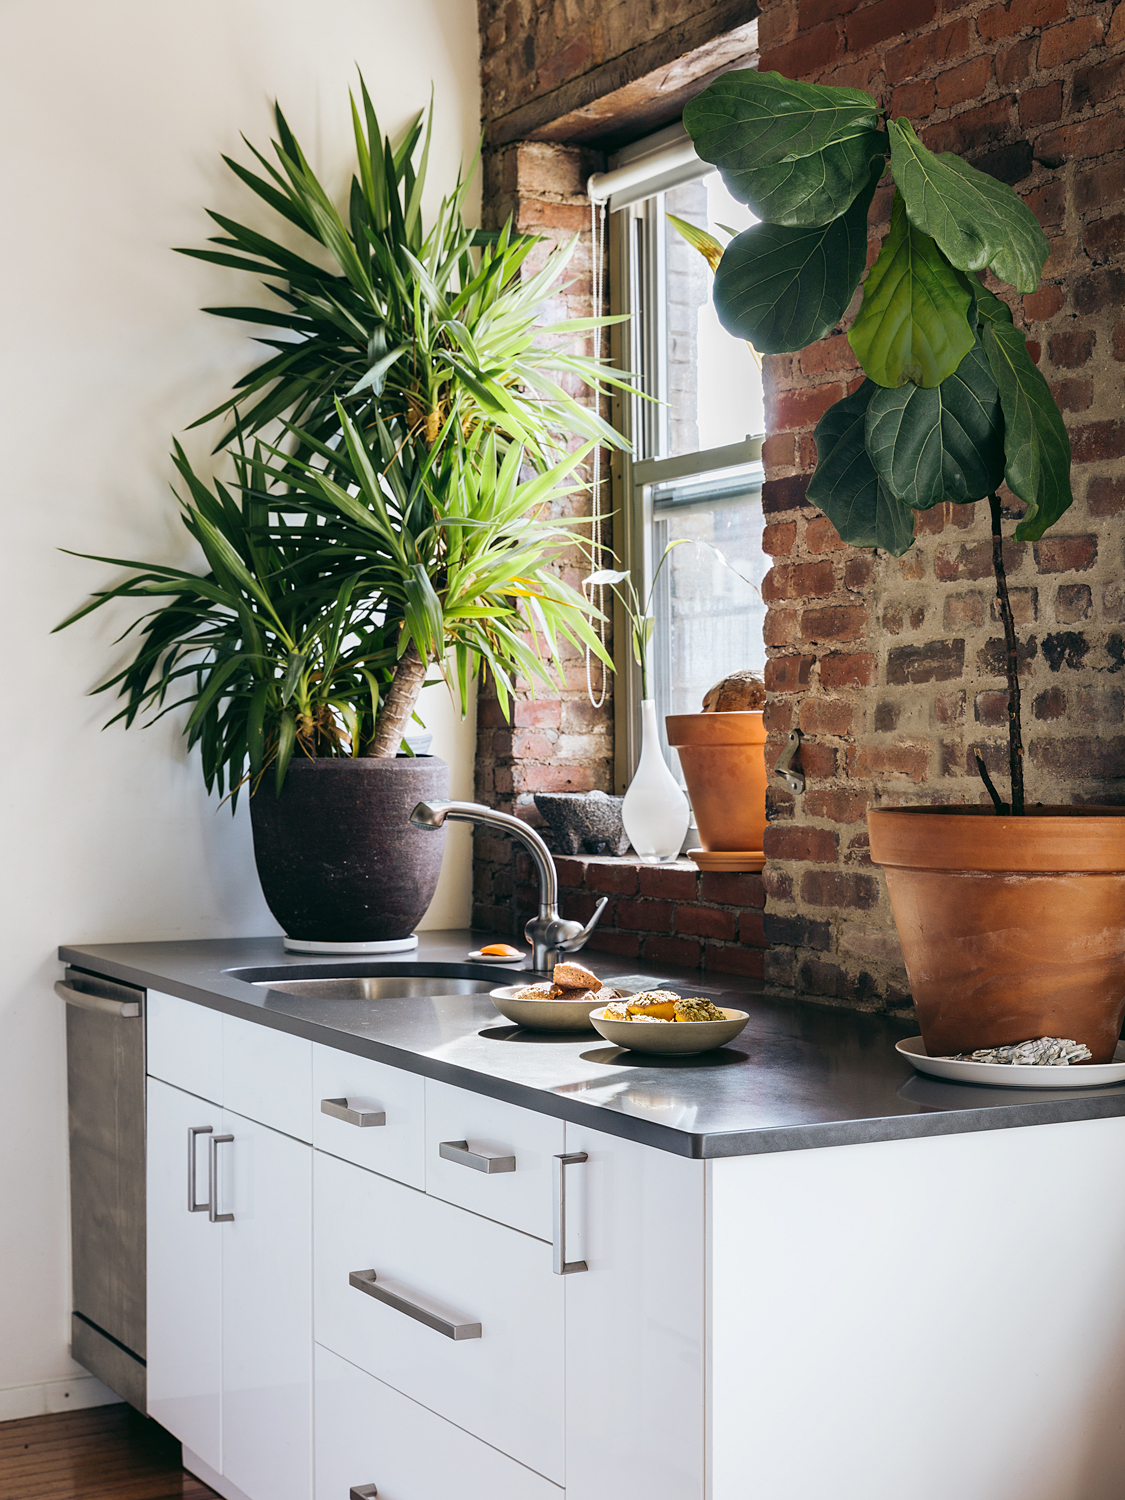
{"points": [[793, 776]]}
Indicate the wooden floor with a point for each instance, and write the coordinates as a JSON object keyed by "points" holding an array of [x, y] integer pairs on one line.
{"points": [[106, 1453]]}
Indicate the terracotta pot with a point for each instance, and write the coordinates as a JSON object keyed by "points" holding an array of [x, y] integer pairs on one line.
{"points": [[337, 857], [1011, 928], [724, 762]]}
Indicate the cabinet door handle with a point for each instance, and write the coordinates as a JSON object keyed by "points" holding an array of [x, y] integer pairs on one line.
{"points": [[480, 1161], [193, 1206], [127, 1008], [559, 1263], [362, 1492], [213, 1179], [364, 1281], [356, 1113]]}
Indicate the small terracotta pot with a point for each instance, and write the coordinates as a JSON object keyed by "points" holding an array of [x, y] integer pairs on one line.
{"points": [[1011, 928], [724, 762]]}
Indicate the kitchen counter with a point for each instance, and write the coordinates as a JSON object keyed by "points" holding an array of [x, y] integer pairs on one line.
{"points": [[801, 1075]]}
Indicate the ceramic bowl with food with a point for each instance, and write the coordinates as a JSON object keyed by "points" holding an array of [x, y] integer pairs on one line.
{"points": [[659, 1021], [533, 1006]]}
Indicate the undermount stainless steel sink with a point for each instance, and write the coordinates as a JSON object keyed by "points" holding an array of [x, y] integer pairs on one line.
{"points": [[383, 981]]}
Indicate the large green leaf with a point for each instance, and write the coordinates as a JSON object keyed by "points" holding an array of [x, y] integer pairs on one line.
{"points": [[750, 119], [913, 324], [846, 486], [1037, 448], [977, 221], [943, 443], [809, 190], [784, 288]]}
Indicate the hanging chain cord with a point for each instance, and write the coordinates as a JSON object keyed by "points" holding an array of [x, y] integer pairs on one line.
{"points": [[596, 594]]}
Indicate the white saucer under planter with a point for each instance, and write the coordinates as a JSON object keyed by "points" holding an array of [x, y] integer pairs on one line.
{"points": [[392, 945]]}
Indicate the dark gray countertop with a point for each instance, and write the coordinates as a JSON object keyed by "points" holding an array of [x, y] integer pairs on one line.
{"points": [[800, 1075]]}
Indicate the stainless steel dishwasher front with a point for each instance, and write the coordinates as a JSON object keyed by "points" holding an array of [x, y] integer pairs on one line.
{"points": [[105, 1064]]}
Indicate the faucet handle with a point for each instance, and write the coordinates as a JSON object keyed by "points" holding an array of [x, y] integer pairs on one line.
{"points": [[580, 938]]}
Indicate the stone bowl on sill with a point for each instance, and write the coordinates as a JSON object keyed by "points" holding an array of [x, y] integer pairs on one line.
{"points": [[584, 822]]}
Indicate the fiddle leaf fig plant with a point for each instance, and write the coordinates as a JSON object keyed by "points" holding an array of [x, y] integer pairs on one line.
{"points": [[952, 404]]}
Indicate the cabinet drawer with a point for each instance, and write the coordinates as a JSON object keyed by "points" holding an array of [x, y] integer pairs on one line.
{"points": [[489, 1127], [395, 1148], [368, 1434], [505, 1386], [267, 1076], [185, 1045]]}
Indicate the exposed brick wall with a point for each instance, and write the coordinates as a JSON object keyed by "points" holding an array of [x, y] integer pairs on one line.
{"points": [[892, 668]]}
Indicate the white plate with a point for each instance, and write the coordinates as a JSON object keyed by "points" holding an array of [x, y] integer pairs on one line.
{"points": [[682, 1038], [497, 958], [1007, 1076], [548, 1015]]}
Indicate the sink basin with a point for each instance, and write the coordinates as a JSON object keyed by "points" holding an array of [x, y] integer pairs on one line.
{"points": [[379, 981]]}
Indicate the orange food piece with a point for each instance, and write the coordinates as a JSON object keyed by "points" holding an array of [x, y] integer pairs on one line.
{"points": [[659, 1004], [500, 950]]}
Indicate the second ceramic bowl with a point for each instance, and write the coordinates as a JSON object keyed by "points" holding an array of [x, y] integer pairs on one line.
{"points": [[673, 1038], [547, 1015]]}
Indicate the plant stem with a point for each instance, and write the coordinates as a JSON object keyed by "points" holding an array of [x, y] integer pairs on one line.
{"points": [[1011, 660], [395, 711]]}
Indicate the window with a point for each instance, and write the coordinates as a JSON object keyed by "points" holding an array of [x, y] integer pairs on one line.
{"points": [[695, 472]]}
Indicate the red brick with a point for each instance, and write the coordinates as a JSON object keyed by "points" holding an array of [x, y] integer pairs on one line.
{"points": [[672, 884], [779, 451], [1073, 602], [1043, 304], [840, 670], [826, 716], [911, 761], [752, 929], [1049, 704], [1100, 186], [532, 777], [1072, 347], [821, 536], [946, 44], [706, 922], [1048, 203], [839, 806], [622, 944], [682, 953], [644, 916], [778, 539], [799, 581], [1041, 106], [1014, 63], [727, 888], [1097, 137], [973, 560], [963, 609], [834, 623], [569, 62], [793, 841], [749, 962], [804, 406], [886, 18], [968, 81], [782, 627], [1062, 44], [832, 888], [972, 129], [1005, 20], [580, 906], [1073, 394], [819, 762], [1119, 341], [525, 746], [914, 99], [858, 572], [1105, 238], [779, 495], [611, 877], [1097, 441], [991, 707], [1099, 82], [572, 872], [804, 57], [827, 356], [788, 674], [1106, 497], [1066, 554]]}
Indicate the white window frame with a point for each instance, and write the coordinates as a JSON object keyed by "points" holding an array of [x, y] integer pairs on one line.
{"points": [[633, 190]]}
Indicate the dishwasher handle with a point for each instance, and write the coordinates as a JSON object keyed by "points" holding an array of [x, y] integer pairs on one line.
{"points": [[124, 1008]]}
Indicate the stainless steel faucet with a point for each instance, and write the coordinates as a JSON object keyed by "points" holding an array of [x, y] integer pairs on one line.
{"points": [[549, 934]]}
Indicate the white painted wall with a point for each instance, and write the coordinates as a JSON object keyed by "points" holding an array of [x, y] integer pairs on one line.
{"points": [[114, 115]]}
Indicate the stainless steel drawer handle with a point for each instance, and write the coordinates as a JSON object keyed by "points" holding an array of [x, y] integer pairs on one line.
{"points": [[365, 1281], [353, 1112], [362, 1492], [480, 1161], [79, 998], [559, 1263], [213, 1180], [193, 1206]]}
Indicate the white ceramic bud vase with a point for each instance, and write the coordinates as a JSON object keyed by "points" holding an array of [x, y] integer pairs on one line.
{"points": [[655, 810]]}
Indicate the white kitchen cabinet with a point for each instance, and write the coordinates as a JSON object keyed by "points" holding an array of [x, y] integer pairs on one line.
{"points": [[505, 1386], [184, 1045], [185, 1275], [369, 1434], [493, 1133], [396, 1148], [267, 1076]]}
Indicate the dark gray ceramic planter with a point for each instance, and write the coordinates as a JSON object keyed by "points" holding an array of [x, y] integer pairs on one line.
{"points": [[336, 855]]}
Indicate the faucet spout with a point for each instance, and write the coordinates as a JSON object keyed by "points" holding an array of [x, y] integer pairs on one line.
{"points": [[549, 934]]}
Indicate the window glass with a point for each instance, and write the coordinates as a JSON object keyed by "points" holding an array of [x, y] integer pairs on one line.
{"points": [[714, 386]]}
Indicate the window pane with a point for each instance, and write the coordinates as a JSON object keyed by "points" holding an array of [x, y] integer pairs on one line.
{"points": [[709, 621], [714, 385]]}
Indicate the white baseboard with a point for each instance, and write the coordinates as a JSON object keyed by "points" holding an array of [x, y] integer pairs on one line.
{"points": [[18, 1401]]}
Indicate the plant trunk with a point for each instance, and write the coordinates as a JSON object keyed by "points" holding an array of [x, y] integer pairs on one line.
{"points": [[1011, 660], [394, 715]]}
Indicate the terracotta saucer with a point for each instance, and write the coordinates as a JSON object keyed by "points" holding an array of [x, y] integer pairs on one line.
{"points": [[727, 859]]}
